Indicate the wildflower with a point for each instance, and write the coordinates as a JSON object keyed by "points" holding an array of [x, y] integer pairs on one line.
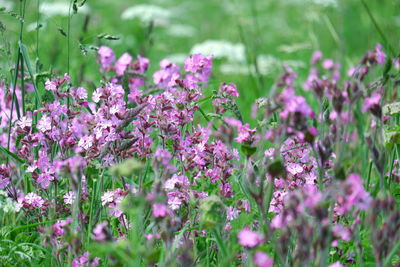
{"points": [[50, 85], [5, 178], [232, 213], [44, 124], [122, 63], [354, 195], [261, 259], [25, 122], [147, 14], [59, 226], [221, 49], [32, 200], [69, 198], [101, 232], [84, 261], [44, 179], [229, 89], [249, 239], [336, 264], [380, 55], [106, 57], [159, 210], [372, 104], [81, 93]]}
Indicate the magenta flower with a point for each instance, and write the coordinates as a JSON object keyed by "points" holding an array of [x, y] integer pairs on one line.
{"points": [[100, 232], [159, 210], [50, 85], [261, 259], [370, 102], [328, 64], [4, 176], [122, 63], [106, 57], [229, 89], [32, 200], [84, 261], [231, 213], [354, 195], [249, 239], [380, 55], [44, 124]]}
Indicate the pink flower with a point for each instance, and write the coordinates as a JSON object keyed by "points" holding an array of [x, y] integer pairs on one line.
{"points": [[44, 179], [354, 194], [44, 124], [328, 64], [159, 210], [69, 198], [32, 200], [25, 122], [50, 85], [250, 239], [336, 264], [122, 63], [294, 168], [231, 213], [81, 93], [229, 89], [380, 55], [4, 176], [370, 102], [84, 261], [106, 57], [100, 231], [261, 259], [316, 57]]}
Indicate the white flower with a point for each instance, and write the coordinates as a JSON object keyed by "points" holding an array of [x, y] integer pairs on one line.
{"points": [[61, 8], [148, 13], [325, 3], [221, 49], [8, 5], [181, 30], [108, 197]]}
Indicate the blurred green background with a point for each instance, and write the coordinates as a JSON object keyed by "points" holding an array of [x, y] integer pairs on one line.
{"points": [[250, 39]]}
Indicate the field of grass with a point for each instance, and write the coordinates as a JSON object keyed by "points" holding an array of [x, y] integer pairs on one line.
{"points": [[112, 157]]}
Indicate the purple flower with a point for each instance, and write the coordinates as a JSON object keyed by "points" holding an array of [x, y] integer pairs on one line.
{"points": [[328, 64], [380, 55], [354, 195], [122, 63], [336, 264], [81, 93], [229, 89], [32, 200], [370, 102], [50, 85], [84, 261], [106, 57], [4, 176], [261, 259], [316, 57], [231, 213], [44, 124], [159, 210], [249, 239], [44, 179], [100, 232]]}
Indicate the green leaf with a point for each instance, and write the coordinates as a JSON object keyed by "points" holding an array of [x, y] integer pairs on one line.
{"points": [[28, 65], [126, 168], [12, 155], [248, 150]]}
